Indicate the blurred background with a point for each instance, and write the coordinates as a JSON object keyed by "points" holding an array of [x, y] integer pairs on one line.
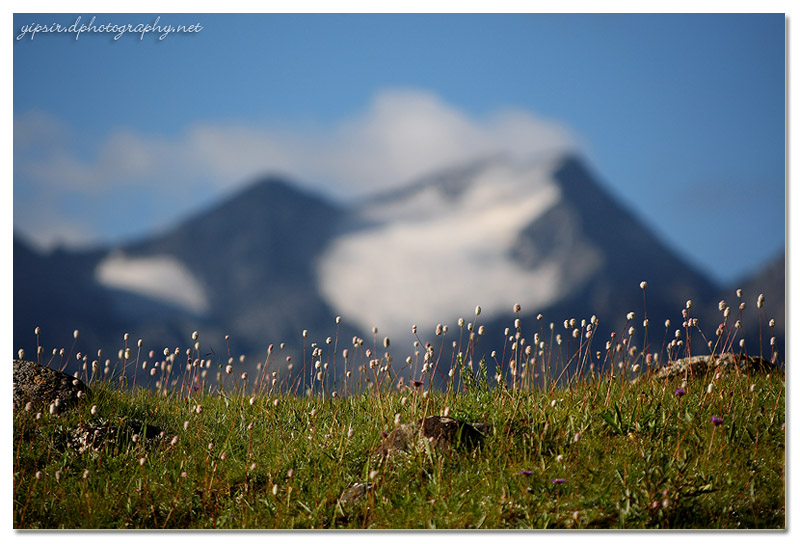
{"points": [[268, 172]]}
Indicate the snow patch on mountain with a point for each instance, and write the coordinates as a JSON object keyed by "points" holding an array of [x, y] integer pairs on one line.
{"points": [[434, 253], [160, 277]]}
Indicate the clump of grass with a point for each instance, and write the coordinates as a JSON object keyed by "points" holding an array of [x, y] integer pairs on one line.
{"points": [[573, 442]]}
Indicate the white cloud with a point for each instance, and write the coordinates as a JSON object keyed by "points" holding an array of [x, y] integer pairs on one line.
{"points": [[437, 255], [402, 134], [160, 277]]}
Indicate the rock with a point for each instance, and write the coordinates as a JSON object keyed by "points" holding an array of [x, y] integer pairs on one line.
{"points": [[354, 494], [100, 434], [699, 365], [42, 386], [439, 431]]}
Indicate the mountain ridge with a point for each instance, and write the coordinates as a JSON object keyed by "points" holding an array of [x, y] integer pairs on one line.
{"points": [[259, 254]]}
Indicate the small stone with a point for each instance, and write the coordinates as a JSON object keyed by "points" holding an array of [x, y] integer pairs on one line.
{"points": [[101, 434], [354, 494], [439, 431]]}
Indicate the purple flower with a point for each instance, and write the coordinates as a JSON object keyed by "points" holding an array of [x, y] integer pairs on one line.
{"points": [[559, 481], [416, 383], [679, 392], [717, 421], [526, 472]]}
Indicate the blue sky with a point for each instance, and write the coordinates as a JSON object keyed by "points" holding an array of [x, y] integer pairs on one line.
{"points": [[681, 116]]}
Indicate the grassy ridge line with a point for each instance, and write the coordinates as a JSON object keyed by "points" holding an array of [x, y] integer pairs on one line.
{"points": [[601, 453]]}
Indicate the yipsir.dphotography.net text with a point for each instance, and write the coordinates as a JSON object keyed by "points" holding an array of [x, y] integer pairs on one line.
{"points": [[115, 28]]}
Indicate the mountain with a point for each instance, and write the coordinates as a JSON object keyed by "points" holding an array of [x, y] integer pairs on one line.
{"points": [[275, 260], [56, 292], [544, 234], [770, 281], [253, 260], [243, 268]]}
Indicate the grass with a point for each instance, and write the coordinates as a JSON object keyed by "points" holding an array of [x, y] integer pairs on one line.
{"points": [[591, 450]]}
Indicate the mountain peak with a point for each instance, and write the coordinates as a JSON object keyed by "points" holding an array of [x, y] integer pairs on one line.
{"points": [[272, 187]]}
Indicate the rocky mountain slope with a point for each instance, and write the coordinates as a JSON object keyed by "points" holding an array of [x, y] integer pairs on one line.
{"points": [[274, 260]]}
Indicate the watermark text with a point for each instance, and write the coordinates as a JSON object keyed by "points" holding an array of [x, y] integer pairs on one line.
{"points": [[77, 28]]}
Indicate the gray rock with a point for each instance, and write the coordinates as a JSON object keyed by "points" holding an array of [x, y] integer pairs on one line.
{"points": [[42, 386], [100, 434], [354, 494], [700, 365], [441, 432]]}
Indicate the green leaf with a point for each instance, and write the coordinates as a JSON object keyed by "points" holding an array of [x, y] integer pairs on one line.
{"points": [[611, 423]]}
